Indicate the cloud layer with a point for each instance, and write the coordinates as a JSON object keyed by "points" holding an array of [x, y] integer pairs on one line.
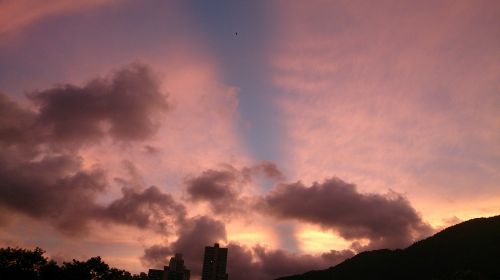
{"points": [[382, 221], [381, 107], [53, 188], [224, 189], [122, 106], [399, 95], [387, 221], [193, 235], [42, 173], [244, 263], [45, 175], [14, 15]]}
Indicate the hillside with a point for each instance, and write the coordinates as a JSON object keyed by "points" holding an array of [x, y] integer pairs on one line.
{"points": [[469, 250]]}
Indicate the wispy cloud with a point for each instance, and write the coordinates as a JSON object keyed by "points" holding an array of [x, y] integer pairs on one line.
{"points": [[404, 97], [15, 15]]}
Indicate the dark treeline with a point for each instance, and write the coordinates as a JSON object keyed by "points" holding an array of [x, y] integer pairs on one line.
{"points": [[18, 263]]}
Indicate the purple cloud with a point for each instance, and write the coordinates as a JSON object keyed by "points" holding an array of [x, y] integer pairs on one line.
{"points": [[387, 221]]}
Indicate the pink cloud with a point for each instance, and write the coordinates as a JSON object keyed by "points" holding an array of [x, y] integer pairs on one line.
{"points": [[16, 14], [197, 130], [392, 95], [405, 98]]}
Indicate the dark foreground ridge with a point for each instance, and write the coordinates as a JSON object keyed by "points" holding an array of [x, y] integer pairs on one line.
{"points": [[469, 250]]}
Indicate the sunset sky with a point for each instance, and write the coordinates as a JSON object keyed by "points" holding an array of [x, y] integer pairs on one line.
{"points": [[133, 130]]}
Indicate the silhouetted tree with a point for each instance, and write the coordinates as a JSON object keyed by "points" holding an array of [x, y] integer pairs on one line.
{"points": [[17, 263], [51, 271], [140, 276]]}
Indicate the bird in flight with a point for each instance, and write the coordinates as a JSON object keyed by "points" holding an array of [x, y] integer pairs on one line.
{"points": [[235, 34]]}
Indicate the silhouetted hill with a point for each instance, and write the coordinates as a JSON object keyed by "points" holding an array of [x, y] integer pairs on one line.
{"points": [[469, 250]]}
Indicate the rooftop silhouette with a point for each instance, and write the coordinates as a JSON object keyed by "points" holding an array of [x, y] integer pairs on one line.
{"points": [[176, 270], [214, 263]]}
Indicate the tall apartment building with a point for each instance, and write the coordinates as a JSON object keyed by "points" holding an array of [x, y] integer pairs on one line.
{"points": [[176, 270], [214, 263]]}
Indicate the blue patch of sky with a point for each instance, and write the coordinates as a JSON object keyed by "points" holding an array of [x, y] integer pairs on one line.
{"points": [[244, 59], [287, 240]]}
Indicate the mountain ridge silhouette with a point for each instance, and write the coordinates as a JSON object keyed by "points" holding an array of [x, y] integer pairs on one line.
{"points": [[468, 250]]}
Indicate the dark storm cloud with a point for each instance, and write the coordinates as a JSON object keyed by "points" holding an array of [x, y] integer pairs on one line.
{"points": [[122, 106], [244, 263], [41, 172], [58, 190], [240, 263], [53, 188], [157, 256], [386, 220], [223, 188], [275, 263], [213, 185], [147, 209], [15, 122], [218, 187], [194, 234]]}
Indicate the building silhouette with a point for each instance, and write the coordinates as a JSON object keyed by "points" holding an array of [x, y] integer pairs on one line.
{"points": [[176, 270], [214, 263]]}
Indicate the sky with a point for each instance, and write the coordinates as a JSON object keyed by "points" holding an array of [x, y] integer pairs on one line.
{"points": [[135, 130]]}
